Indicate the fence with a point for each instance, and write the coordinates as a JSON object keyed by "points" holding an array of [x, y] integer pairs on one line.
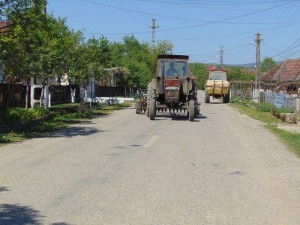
{"points": [[15, 95], [281, 95]]}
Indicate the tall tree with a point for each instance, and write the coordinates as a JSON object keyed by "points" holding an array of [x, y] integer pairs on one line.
{"points": [[16, 46], [200, 72], [137, 58], [267, 64], [37, 45]]}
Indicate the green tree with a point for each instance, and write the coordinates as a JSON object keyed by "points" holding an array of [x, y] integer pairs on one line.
{"points": [[200, 72], [267, 64], [37, 45], [17, 49], [238, 74], [138, 59], [163, 47]]}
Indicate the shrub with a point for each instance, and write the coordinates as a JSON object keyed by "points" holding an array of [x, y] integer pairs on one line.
{"points": [[25, 115], [264, 107], [284, 110]]}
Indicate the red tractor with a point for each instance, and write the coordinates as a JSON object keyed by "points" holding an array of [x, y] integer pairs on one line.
{"points": [[172, 89]]}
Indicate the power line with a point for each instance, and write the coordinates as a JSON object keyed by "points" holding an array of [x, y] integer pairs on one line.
{"points": [[226, 35], [187, 39], [187, 19], [211, 2]]}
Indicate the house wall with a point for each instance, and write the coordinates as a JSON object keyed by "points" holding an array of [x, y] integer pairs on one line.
{"points": [[17, 93], [92, 91]]}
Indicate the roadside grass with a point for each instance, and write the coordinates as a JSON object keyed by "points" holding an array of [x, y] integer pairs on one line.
{"points": [[253, 110], [21, 124], [291, 139]]}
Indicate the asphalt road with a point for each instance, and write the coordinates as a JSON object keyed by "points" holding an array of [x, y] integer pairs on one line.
{"points": [[222, 169]]}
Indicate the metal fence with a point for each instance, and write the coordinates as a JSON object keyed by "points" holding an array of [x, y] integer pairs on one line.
{"points": [[284, 95]]}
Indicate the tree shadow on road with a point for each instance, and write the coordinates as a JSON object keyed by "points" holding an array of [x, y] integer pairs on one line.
{"points": [[73, 131], [3, 189], [15, 214], [19, 215], [63, 223]]}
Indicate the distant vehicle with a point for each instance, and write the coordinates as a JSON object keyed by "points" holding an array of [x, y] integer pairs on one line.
{"points": [[217, 85], [172, 88]]}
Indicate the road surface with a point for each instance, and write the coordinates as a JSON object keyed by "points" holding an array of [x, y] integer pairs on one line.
{"points": [[224, 168]]}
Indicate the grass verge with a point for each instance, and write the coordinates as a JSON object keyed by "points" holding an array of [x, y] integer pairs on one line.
{"points": [[21, 124], [291, 139]]}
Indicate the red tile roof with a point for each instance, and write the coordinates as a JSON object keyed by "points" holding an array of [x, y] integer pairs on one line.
{"points": [[289, 70], [4, 25]]}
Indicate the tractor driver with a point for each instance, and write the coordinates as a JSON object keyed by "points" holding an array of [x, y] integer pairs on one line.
{"points": [[172, 70]]}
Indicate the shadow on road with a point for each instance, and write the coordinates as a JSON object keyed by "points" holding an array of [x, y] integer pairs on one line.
{"points": [[63, 223], [178, 117], [215, 103], [3, 189], [15, 214], [19, 215], [201, 117], [73, 132]]}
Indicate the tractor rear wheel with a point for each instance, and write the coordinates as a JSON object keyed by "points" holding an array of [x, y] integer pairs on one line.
{"points": [[191, 110], [152, 109]]}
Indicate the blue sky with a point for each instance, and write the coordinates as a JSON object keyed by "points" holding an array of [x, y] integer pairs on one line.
{"points": [[197, 28]]}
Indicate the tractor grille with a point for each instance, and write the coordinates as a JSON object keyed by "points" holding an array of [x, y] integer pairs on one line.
{"points": [[172, 94], [172, 90]]}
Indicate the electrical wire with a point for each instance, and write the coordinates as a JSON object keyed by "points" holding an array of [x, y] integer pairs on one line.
{"points": [[188, 19]]}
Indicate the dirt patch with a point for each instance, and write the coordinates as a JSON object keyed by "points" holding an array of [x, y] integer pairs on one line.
{"points": [[295, 128]]}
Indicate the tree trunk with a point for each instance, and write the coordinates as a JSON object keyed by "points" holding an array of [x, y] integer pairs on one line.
{"points": [[73, 94], [49, 99], [46, 97], [85, 94], [42, 97], [6, 101], [44, 100], [7, 97], [27, 94]]}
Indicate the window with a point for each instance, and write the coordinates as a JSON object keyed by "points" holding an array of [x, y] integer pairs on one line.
{"points": [[175, 68], [217, 75]]}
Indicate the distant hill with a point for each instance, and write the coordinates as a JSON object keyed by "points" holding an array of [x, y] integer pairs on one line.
{"points": [[250, 66], [246, 66]]}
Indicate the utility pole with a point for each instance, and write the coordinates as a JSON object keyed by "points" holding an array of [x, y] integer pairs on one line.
{"points": [[153, 31], [221, 57], [258, 41], [45, 9]]}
